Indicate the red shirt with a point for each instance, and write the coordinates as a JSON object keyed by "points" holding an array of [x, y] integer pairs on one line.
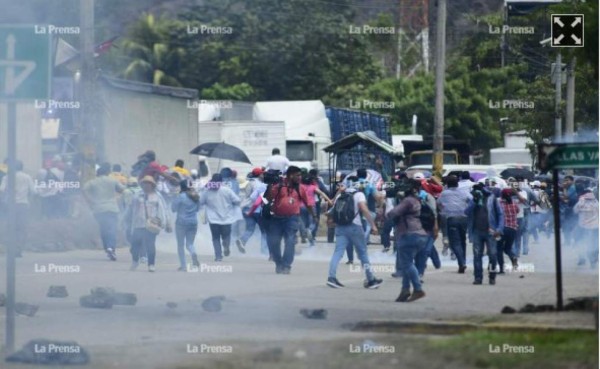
{"points": [[287, 200], [153, 170], [433, 189], [510, 214]]}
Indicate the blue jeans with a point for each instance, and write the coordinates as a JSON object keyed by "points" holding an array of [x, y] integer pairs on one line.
{"points": [[409, 246], [143, 242], [283, 228], [457, 236], [348, 236], [367, 226], [522, 237], [251, 223], [479, 242], [185, 235], [428, 252], [385, 232], [505, 246], [108, 228]]}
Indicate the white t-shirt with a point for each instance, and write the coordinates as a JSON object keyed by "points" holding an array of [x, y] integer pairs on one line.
{"points": [[278, 162]]}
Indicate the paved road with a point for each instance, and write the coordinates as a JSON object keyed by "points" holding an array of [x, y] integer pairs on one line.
{"points": [[260, 305]]}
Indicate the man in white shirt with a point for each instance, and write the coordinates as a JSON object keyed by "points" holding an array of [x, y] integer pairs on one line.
{"points": [[24, 189], [277, 161]]}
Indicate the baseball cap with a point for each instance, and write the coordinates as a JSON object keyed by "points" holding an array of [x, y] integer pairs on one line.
{"points": [[536, 183], [257, 171], [419, 175]]}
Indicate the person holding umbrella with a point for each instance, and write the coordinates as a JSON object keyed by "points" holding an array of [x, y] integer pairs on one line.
{"points": [[222, 206]]}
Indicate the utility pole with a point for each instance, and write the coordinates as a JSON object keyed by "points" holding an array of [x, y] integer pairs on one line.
{"points": [[570, 118], [87, 92], [557, 97], [440, 66]]}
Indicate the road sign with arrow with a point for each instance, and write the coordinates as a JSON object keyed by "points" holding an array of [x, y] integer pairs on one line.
{"points": [[24, 63]]}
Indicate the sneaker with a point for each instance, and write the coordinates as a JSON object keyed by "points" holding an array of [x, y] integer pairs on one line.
{"points": [[278, 269], [396, 275], [461, 269], [373, 283], [416, 295], [240, 246], [386, 249], [350, 262], [151, 268], [226, 251], [334, 283], [404, 295], [515, 263], [285, 270], [492, 280], [143, 260], [134, 265], [311, 242], [111, 254], [478, 282]]}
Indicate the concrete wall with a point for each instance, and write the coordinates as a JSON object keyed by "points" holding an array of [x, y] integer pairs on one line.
{"points": [[134, 122], [29, 142]]}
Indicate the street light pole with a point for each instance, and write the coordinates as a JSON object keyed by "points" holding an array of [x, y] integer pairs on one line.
{"points": [[557, 97], [440, 57]]}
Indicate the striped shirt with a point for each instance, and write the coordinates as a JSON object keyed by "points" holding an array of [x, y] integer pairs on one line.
{"points": [[510, 214]]}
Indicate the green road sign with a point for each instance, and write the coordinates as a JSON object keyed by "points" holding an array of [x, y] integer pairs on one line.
{"points": [[25, 67], [568, 156]]}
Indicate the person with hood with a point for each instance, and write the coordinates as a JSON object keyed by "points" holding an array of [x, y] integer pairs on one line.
{"points": [[587, 210], [485, 225], [222, 205], [101, 194], [146, 217], [186, 205]]}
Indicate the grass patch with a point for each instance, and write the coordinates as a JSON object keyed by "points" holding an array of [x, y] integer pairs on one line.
{"points": [[563, 349]]}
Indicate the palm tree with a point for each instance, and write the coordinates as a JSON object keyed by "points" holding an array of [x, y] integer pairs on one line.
{"points": [[152, 59]]}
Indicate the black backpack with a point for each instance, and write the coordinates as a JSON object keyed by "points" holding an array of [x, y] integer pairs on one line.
{"points": [[427, 216], [343, 209]]}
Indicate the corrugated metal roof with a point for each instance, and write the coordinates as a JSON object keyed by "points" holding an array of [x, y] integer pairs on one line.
{"points": [[354, 139], [183, 93]]}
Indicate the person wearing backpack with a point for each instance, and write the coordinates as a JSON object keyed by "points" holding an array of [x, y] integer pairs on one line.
{"points": [[346, 214], [485, 225], [286, 198], [430, 225], [411, 239]]}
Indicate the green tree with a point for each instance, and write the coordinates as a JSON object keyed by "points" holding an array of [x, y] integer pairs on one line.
{"points": [[152, 59]]}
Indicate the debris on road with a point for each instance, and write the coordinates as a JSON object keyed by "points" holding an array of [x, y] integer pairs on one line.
{"points": [[213, 304], [314, 313], [26, 309], [46, 352], [105, 298], [508, 310], [57, 291]]}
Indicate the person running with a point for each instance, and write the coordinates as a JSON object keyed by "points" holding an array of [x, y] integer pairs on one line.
{"points": [[509, 232], [411, 239], [251, 207], [186, 205], [432, 230], [586, 209], [453, 202], [486, 224], [346, 212], [146, 217], [101, 194], [222, 205], [286, 198], [313, 191]]}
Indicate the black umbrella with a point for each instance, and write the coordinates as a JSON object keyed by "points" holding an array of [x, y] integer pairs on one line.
{"points": [[517, 172], [221, 150]]}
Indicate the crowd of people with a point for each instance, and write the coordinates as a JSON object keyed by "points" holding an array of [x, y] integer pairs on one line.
{"points": [[285, 203]]}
